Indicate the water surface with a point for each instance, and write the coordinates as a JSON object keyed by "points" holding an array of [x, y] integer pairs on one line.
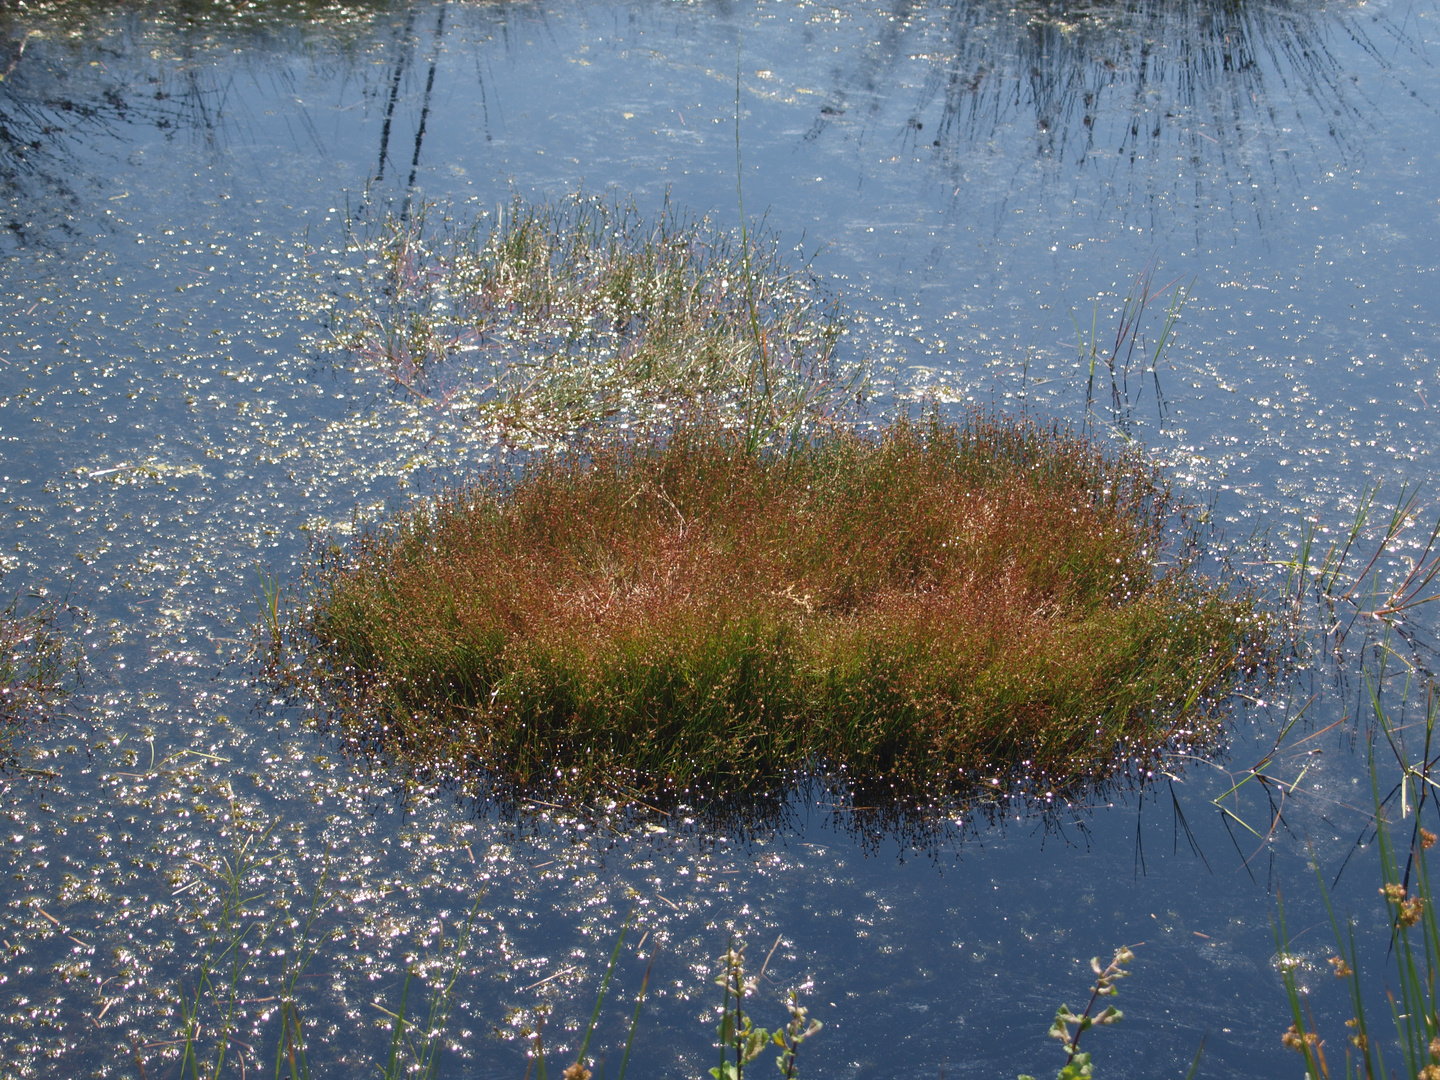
{"points": [[968, 177]]}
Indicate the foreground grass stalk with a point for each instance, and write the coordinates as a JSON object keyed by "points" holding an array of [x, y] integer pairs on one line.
{"points": [[1414, 939], [1399, 575], [635, 1019], [736, 1031], [397, 1028], [233, 938], [1077, 1062], [674, 617], [415, 1049], [221, 1015], [1119, 362], [290, 1048], [600, 997], [1301, 1037]]}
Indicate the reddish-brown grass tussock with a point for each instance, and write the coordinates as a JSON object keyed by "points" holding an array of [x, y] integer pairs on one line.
{"points": [[678, 617]]}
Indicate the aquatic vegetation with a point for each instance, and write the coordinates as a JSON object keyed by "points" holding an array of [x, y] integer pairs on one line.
{"points": [[227, 1004], [1396, 578], [1414, 933], [1077, 1062], [235, 1000], [547, 319], [679, 617], [139, 351], [737, 1032], [36, 665], [1120, 362], [222, 1014], [579, 1068]]}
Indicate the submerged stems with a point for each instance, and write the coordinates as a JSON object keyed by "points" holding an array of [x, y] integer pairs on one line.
{"points": [[39, 664], [1120, 361], [551, 321]]}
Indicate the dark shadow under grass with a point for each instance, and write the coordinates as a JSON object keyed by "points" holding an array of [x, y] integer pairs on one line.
{"points": [[673, 619]]}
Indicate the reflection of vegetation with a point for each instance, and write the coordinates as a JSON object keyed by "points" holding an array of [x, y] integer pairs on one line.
{"points": [[41, 103], [560, 317], [61, 85], [674, 618], [1129, 82], [88, 19]]}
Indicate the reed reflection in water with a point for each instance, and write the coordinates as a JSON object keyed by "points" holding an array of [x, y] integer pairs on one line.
{"points": [[1153, 97]]}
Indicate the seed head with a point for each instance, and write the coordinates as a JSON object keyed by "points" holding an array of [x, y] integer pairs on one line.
{"points": [[1427, 839], [1342, 969], [1297, 1042], [576, 1072], [1393, 891], [1411, 910]]}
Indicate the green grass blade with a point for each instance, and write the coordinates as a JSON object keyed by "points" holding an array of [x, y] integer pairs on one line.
{"points": [[1195, 1065], [635, 1019], [604, 987], [394, 1065]]}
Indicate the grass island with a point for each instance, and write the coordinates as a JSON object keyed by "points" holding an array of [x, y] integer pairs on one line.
{"points": [[667, 617]]}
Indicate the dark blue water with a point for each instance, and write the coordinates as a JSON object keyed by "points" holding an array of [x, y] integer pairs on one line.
{"points": [[974, 181]]}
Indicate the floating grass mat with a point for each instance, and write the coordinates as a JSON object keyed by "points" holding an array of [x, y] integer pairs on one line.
{"points": [[678, 618]]}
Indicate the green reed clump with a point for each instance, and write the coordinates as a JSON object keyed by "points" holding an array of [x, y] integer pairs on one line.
{"points": [[679, 615], [547, 319]]}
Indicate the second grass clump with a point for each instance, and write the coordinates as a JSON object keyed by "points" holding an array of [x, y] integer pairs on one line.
{"points": [[678, 617]]}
